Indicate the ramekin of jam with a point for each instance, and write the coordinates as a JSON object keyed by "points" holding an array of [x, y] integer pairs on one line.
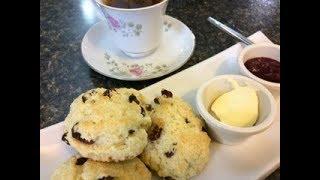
{"points": [[261, 62]]}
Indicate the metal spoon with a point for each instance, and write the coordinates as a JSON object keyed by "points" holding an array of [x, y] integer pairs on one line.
{"points": [[230, 31]]}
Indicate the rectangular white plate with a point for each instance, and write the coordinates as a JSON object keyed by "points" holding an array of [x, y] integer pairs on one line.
{"points": [[254, 159]]}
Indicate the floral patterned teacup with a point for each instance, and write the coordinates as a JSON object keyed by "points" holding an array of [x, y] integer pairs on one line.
{"points": [[136, 32]]}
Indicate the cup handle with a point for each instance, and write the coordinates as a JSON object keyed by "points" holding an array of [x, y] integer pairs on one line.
{"points": [[164, 8]]}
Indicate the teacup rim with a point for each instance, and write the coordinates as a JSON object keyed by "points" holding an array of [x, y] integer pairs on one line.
{"points": [[133, 9]]}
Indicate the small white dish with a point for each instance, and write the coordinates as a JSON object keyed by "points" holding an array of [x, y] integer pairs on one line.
{"points": [[224, 133], [259, 50], [101, 55]]}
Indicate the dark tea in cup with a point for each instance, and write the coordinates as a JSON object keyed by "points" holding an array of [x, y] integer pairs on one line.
{"points": [[130, 4]]}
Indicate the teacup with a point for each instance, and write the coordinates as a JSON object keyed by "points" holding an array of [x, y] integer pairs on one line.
{"points": [[136, 32]]}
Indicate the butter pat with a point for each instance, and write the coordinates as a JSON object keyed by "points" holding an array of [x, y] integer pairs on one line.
{"points": [[239, 107]]}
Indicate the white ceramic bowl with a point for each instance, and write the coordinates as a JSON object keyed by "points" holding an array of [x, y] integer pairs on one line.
{"points": [[227, 134], [259, 50]]}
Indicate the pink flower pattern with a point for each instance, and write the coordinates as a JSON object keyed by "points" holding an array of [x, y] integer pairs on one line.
{"points": [[136, 70], [114, 23]]}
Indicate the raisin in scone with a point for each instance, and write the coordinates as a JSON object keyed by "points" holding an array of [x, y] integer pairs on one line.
{"points": [[108, 124], [178, 146], [80, 168]]}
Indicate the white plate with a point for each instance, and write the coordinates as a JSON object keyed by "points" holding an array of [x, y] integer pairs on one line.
{"points": [[102, 56], [254, 159]]}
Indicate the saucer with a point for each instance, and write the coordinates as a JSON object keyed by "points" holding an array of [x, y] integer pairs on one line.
{"points": [[101, 55]]}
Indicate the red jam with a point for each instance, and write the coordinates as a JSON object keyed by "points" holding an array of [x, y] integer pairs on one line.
{"points": [[264, 68]]}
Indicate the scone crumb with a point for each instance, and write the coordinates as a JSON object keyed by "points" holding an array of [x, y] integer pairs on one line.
{"points": [[166, 93], [84, 99], [77, 136], [63, 138], [81, 161], [155, 133], [132, 98], [156, 100]]}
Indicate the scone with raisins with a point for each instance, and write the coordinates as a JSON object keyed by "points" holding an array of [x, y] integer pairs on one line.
{"points": [[77, 168], [108, 124], [178, 146]]}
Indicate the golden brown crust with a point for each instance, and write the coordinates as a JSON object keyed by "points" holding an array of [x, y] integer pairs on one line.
{"points": [[127, 170], [182, 149], [105, 125]]}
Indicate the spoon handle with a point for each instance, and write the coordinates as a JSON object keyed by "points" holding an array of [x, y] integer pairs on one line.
{"points": [[230, 31]]}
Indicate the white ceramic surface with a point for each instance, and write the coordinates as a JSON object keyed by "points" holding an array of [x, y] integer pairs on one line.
{"points": [[102, 56], [224, 133], [259, 50], [254, 159], [137, 32]]}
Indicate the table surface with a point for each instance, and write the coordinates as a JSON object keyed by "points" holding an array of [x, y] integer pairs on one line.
{"points": [[64, 74]]}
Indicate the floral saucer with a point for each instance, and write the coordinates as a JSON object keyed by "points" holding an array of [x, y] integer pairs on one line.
{"points": [[102, 56]]}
